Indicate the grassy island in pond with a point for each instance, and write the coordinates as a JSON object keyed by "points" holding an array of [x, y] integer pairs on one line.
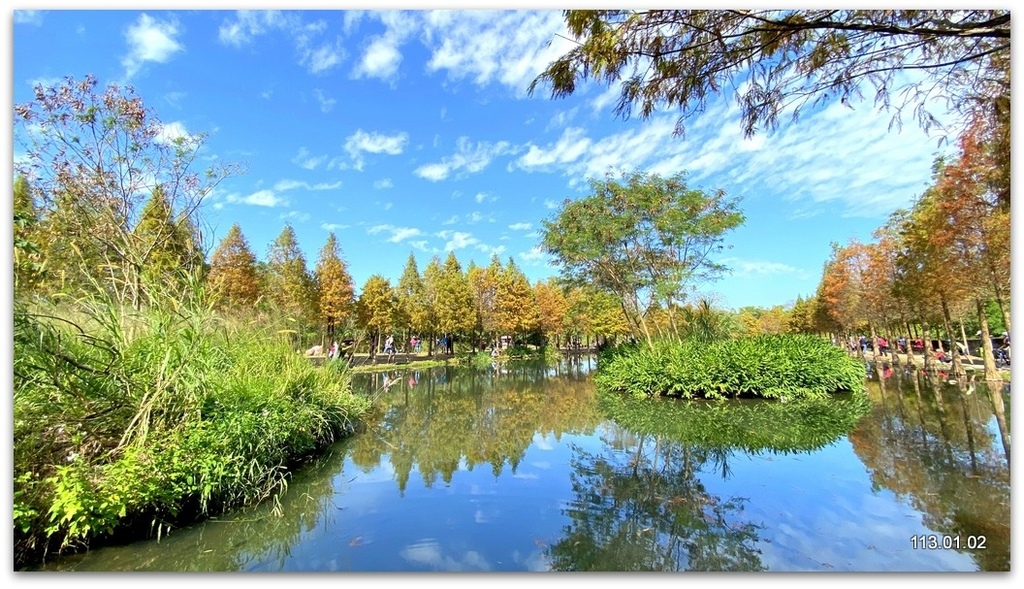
{"points": [[765, 366]]}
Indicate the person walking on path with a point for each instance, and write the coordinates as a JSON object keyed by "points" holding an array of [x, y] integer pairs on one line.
{"points": [[389, 348]]}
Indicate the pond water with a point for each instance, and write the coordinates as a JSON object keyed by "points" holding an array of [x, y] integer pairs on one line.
{"points": [[521, 468]]}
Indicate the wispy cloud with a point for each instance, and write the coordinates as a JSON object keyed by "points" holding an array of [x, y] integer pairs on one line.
{"points": [[307, 161], [383, 183], [284, 185], [28, 17], [326, 103], [150, 40], [521, 226], [362, 142], [315, 54], [260, 198], [468, 158], [485, 46], [333, 226], [397, 234]]}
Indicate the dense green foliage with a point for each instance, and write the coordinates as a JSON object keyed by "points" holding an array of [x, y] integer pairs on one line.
{"points": [[767, 366], [144, 419]]}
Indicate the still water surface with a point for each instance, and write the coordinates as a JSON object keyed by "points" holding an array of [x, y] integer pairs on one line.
{"points": [[520, 468]]}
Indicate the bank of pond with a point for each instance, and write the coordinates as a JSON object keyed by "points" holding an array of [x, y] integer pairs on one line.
{"points": [[241, 455]]}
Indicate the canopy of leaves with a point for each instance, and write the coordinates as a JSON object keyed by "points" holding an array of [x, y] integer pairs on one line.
{"points": [[336, 293], [643, 237], [778, 60]]}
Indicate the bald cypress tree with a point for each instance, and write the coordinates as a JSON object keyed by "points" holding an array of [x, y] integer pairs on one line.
{"points": [[334, 287], [233, 277]]}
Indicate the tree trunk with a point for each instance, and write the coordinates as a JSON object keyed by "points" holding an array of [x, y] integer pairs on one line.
{"points": [[958, 367], [989, 357]]}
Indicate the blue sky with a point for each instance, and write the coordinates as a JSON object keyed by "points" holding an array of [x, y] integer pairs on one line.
{"points": [[413, 132]]}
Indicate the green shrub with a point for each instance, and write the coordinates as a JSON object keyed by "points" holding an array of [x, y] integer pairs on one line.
{"points": [[764, 366]]}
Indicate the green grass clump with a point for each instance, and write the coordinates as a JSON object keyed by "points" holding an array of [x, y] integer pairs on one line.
{"points": [[766, 366]]}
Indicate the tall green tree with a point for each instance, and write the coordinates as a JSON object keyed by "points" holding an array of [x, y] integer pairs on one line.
{"points": [[336, 293], [455, 312], [168, 247], [644, 238], [779, 61], [233, 277], [414, 308]]}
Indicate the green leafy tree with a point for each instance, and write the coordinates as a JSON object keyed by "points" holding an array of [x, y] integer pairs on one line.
{"points": [[414, 308], [335, 290], [233, 275], [455, 312], [782, 60], [644, 238]]}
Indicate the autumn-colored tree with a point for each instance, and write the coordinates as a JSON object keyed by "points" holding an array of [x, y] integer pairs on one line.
{"points": [[233, 277], [483, 282], [376, 310], [334, 287], [516, 311], [290, 285], [552, 308], [94, 158]]}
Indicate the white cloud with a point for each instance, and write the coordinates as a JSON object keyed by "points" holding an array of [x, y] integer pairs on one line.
{"points": [[150, 40], [383, 183], [520, 226], [172, 131], [323, 58], [508, 47], [383, 55], [398, 234], [550, 204], [754, 268], [260, 198], [333, 226], [468, 156], [361, 141], [457, 240]]}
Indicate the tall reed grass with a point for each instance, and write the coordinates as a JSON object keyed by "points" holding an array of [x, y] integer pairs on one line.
{"points": [[137, 421]]}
